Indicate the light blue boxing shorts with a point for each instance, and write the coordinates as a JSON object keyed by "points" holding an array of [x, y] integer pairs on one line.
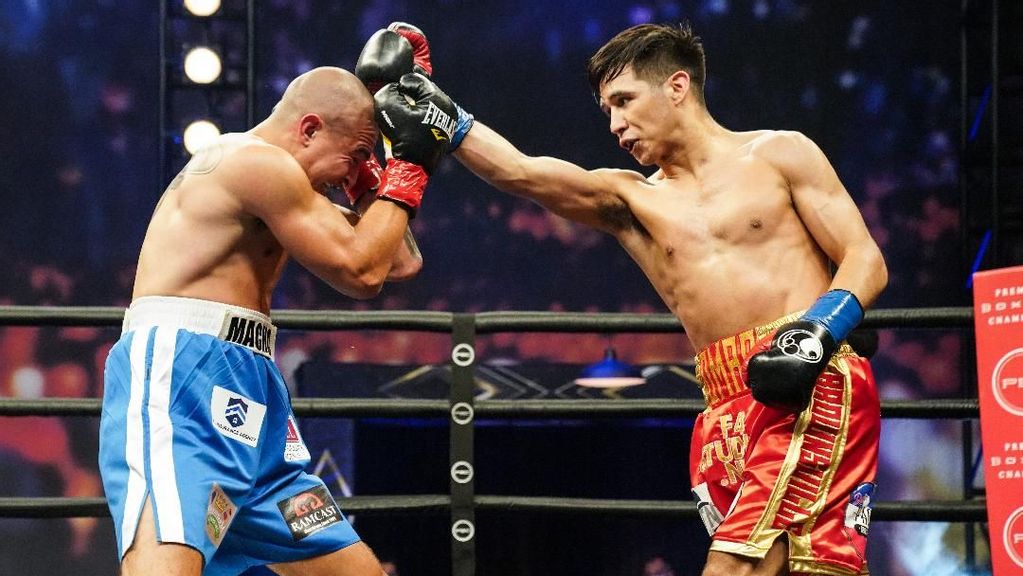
{"points": [[197, 419]]}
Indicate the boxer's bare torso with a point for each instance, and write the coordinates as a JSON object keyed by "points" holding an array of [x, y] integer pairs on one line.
{"points": [[724, 248], [201, 243]]}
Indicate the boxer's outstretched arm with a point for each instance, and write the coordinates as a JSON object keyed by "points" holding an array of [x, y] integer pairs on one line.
{"points": [[829, 214], [570, 191]]}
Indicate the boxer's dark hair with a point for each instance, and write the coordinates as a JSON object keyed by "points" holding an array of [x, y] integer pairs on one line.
{"points": [[655, 52]]}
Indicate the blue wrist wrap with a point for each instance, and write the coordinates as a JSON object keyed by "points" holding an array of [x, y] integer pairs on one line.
{"points": [[462, 126], [838, 311]]}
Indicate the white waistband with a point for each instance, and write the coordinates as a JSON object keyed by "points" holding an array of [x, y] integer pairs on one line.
{"points": [[235, 324]]}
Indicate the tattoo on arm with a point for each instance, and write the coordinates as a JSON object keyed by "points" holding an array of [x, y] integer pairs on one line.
{"points": [[203, 162]]}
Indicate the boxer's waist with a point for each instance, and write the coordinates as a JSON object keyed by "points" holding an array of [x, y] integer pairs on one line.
{"points": [[720, 366], [234, 324]]}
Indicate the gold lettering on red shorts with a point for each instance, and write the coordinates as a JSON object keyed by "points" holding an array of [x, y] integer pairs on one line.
{"points": [[816, 454], [719, 367], [729, 449]]}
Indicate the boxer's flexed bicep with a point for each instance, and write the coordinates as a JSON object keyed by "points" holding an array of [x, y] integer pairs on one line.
{"points": [[592, 197], [829, 214], [353, 259]]}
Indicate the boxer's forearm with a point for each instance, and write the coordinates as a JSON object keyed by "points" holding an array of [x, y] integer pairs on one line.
{"points": [[408, 261], [559, 186], [494, 159], [863, 272]]}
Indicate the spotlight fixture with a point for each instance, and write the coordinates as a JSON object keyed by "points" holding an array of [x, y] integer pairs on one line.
{"points": [[198, 134], [202, 7], [202, 65]]}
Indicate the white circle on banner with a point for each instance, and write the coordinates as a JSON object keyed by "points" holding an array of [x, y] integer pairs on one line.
{"points": [[1007, 382], [461, 472], [462, 413], [463, 355], [463, 530], [1012, 536]]}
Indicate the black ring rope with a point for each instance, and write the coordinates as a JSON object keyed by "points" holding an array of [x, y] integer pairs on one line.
{"points": [[904, 511], [486, 322], [505, 409]]}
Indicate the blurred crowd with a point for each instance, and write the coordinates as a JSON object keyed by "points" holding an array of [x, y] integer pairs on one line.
{"points": [[874, 83]]}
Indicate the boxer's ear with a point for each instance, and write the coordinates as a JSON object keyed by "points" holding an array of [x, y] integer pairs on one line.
{"points": [[677, 85], [308, 126]]}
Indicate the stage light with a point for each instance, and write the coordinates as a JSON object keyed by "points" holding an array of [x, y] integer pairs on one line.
{"points": [[199, 134], [202, 7], [610, 373], [202, 65]]}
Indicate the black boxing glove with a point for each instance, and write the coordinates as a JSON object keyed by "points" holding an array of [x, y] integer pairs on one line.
{"points": [[784, 375], [386, 56], [420, 47], [395, 51], [417, 119]]}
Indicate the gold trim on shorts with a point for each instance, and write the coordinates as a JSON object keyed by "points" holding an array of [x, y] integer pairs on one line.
{"points": [[719, 365], [800, 492]]}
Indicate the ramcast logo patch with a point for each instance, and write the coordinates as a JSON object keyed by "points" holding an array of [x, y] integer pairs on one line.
{"points": [[308, 512], [237, 416]]}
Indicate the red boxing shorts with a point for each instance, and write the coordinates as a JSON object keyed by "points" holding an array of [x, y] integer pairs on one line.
{"points": [[758, 472]]}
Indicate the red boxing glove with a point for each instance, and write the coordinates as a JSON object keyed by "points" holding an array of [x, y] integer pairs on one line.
{"points": [[368, 180], [403, 183], [420, 47]]}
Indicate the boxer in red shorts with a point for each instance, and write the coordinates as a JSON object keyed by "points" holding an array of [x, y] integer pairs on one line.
{"points": [[760, 472], [734, 230]]}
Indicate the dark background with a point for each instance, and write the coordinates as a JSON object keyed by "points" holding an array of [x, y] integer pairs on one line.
{"points": [[875, 84]]}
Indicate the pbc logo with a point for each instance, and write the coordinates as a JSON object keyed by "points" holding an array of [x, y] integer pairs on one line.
{"points": [[1007, 382], [802, 345], [236, 411], [1012, 537]]}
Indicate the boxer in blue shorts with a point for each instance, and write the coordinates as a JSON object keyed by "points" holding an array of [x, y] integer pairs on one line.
{"points": [[198, 420], [200, 454]]}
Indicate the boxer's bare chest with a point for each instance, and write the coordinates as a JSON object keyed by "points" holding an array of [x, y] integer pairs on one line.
{"points": [[731, 206]]}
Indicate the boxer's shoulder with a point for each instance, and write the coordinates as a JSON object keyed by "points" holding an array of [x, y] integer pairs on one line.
{"points": [[779, 147], [253, 164]]}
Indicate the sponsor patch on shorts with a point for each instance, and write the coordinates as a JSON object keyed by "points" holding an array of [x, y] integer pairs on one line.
{"points": [[857, 512], [709, 513], [219, 513], [237, 416], [294, 447], [309, 511], [254, 334]]}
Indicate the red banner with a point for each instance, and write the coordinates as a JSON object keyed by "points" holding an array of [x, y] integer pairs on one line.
{"points": [[998, 318]]}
